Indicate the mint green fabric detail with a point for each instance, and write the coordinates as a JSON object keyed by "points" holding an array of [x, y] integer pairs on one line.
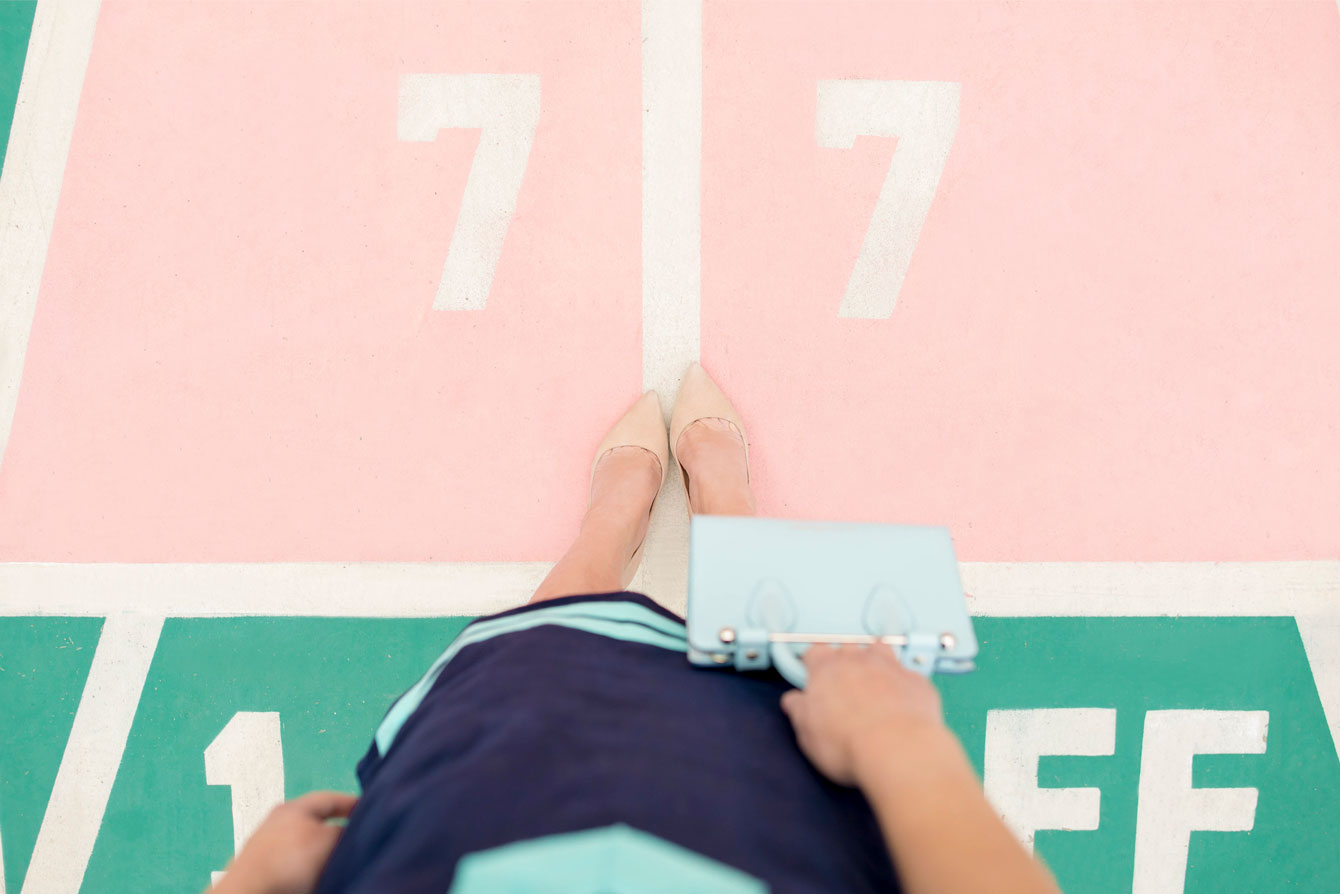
{"points": [[615, 859], [627, 621]]}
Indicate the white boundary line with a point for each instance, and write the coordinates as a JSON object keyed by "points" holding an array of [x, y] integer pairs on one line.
{"points": [[672, 121], [430, 589], [136, 597], [672, 94], [92, 754], [334, 589], [39, 143], [1309, 591], [55, 62], [672, 117]]}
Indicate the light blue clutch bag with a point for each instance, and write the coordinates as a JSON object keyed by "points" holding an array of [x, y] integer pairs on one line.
{"points": [[762, 590]]}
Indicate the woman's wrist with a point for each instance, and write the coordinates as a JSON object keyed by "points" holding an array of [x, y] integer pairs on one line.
{"points": [[897, 755], [237, 882], [930, 806]]}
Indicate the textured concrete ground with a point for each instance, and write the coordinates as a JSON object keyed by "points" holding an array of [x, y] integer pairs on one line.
{"points": [[311, 315]]}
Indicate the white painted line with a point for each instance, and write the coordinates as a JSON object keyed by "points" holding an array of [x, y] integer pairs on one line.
{"points": [[427, 589], [329, 589], [672, 152], [39, 142], [1103, 589], [92, 754], [1321, 641], [2, 863], [1306, 590]]}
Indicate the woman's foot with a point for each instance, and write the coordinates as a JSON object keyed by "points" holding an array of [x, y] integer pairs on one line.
{"points": [[712, 453], [626, 481]]}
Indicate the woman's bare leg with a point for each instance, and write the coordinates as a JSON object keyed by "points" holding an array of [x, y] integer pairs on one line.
{"points": [[626, 482]]}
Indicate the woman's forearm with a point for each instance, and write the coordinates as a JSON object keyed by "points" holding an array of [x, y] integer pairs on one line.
{"points": [[942, 833]]}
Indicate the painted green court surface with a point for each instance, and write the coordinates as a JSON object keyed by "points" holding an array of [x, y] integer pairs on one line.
{"points": [[330, 681], [16, 21], [1253, 804]]}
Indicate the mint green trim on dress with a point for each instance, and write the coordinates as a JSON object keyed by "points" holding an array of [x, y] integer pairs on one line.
{"points": [[615, 859], [627, 621]]}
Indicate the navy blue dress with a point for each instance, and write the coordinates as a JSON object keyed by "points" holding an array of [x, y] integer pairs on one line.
{"points": [[552, 729]]}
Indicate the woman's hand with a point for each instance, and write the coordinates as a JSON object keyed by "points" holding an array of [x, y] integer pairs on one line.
{"points": [[859, 704], [866, 720], [286, 853]]}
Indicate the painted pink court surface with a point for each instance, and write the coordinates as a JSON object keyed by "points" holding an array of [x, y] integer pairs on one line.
{"points": [[1112, 346], [1114, 341]]}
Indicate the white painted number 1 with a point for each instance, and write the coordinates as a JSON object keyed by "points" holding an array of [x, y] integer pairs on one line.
{"points": [[248, 757], [923, 115], [506, 109]]}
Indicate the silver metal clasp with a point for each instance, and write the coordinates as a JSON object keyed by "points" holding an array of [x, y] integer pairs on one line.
{"points": [[945, 641], [919, 651]]}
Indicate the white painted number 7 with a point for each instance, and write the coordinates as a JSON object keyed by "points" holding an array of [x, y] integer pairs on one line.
{"points": [[506, 109], [923, 115]]}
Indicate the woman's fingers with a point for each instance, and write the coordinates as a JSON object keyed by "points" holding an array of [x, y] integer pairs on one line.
{"points": [[888, 655], [821, 653], [326, 805], [813, 657]]}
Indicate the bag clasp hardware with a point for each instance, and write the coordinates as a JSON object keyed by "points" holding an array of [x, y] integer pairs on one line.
{"points": [[918, 651]]}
